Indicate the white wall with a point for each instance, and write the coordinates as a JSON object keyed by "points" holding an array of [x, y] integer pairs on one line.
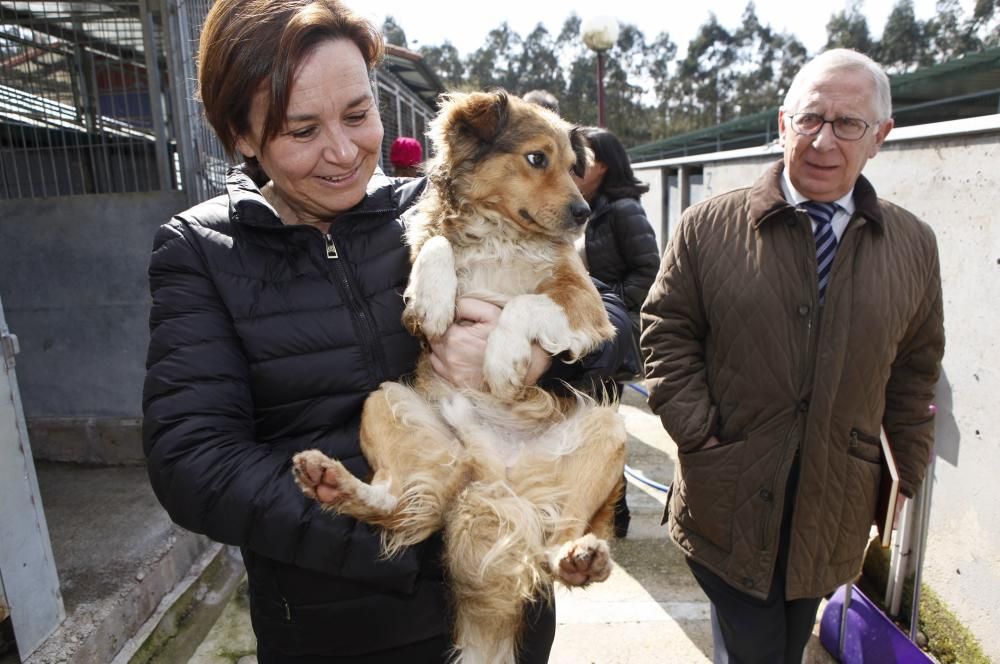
{"points": [[654, 200], [951, 180]]}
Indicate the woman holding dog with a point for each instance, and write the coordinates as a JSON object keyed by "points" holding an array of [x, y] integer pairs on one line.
{"points": [[276, 310], [619, 247]]}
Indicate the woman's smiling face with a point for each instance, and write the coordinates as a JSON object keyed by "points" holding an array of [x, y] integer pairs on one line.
{"points": [[321, 160]]}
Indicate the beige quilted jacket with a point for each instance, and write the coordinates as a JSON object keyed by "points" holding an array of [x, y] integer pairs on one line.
{"points": [[736, 346]]}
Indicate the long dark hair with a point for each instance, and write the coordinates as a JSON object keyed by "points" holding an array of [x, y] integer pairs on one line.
{"points": [[619, 180]]}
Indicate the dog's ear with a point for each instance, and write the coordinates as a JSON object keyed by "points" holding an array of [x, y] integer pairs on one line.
{"points": [[482, 115], [581, 147]]}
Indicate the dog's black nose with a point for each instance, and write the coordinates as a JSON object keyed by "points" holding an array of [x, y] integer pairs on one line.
{"points": [[580, 211]]}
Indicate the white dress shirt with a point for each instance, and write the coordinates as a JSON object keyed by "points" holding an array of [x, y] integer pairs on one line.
{"points": [[845, 206]]}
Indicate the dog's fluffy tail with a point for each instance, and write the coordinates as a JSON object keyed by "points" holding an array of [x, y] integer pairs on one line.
{"points": [[495, 542]]}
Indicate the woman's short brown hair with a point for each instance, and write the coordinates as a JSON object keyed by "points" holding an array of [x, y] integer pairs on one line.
{"points": [[249, 43]]}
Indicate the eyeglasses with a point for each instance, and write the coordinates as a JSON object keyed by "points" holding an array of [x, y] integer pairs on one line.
{"points": [[847, 129]]}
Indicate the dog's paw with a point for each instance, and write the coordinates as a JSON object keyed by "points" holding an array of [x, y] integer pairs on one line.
{"points": [[321, 478], [583, 561], [506, 364], [430, 296], [434, 314]]}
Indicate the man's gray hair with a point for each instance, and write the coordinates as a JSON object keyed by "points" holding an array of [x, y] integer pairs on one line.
{"points": [[841, 59]]}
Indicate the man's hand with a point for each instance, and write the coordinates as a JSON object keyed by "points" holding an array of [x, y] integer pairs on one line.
{"points": [[457, 355]]}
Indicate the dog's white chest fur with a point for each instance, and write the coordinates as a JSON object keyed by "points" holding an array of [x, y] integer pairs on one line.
{"points": [[495, 428], [499, 271]]}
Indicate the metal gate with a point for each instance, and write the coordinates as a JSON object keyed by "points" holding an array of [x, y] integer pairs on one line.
{"points": [[29, 586]]}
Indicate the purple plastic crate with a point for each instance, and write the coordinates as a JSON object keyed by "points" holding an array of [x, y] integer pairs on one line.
{"points": [[871, 637]]}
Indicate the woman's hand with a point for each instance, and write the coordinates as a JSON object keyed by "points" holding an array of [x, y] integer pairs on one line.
{"points": [[457, 356]]}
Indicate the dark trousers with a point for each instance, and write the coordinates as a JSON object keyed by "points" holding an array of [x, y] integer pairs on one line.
{"points": [[754, 631], [536, 643], [622, 516]]}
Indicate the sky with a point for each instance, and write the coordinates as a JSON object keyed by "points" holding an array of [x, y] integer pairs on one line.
{"points": [[465, 23]]}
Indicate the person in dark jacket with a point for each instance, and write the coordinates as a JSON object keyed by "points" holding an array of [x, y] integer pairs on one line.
{"points": [[275, 312], [619, 246]]}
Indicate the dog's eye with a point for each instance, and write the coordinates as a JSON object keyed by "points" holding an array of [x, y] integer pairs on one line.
{"points": [[537, 159]]}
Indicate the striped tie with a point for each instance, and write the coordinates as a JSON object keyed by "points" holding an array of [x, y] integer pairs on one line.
{"points": [[826, 241]]}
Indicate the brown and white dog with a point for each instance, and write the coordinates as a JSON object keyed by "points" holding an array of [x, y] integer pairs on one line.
{"points": [[522, 482]]}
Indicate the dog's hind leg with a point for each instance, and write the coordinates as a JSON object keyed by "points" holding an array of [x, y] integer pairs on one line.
{"points": [[417, 457], [583, 482], [493, 542]]}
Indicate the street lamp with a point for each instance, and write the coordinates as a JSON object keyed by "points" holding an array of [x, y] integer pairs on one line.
{"points": [[599, 34]]}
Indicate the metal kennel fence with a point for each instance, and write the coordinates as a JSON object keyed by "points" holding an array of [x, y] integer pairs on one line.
{"points": [[99, 98]]}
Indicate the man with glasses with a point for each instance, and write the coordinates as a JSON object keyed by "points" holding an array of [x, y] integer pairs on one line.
{"points": [[789, 323]]}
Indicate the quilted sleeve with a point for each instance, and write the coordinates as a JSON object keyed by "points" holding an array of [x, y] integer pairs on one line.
{"points": [[908, 420], [637, 246], [204, 463], [674, 328]]}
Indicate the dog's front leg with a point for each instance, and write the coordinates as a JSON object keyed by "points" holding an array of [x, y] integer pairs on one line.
{"points": [[432, 290], [526, 319]]}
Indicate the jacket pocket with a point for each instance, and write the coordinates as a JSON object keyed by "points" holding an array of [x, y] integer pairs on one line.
{"points": [[703, 500], [335, 616], [859, 495], [864, 446]]}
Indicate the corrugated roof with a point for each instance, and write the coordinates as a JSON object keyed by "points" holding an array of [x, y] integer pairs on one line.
{"points": [[409, 67]]}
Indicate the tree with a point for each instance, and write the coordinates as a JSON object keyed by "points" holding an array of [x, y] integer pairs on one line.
{"points": [[493, 64], [447, 63], [986, 19], [902, 46], [659, 56], [949, 35], [849, 29], [578, 101], [537, 67], [756, 66], [703, 79], [650, 93], [393, 33], [627, 114]]}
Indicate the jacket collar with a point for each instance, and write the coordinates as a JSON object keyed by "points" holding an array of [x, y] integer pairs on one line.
{"points": [[599, 207], [768, 202], [247, 205]]}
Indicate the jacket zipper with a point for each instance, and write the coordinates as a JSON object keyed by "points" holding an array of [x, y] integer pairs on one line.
{"points": [[370, 337], [331, 248]]}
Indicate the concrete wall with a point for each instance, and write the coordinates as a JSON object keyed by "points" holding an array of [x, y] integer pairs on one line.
{"points": [[73, 283], [951, 180]]}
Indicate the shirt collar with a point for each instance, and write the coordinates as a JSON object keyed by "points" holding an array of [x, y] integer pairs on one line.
{"points": [[793, 196]]}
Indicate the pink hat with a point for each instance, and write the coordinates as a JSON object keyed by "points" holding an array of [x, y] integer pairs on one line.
{"points": [[405, 151]]}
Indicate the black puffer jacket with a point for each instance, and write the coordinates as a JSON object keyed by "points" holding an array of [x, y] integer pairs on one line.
{"points": [[621, 249], [265, 340]]}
